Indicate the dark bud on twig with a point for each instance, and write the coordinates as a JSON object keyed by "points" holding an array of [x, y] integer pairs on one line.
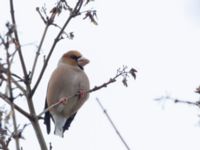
{"points": [[55, 10], [133, 72], [11, 28], [91, 15], [198, 90], [71, 35], [50, 146], [19, 132], [37, 9], [87, 1], [3, 132], [124, 81]]}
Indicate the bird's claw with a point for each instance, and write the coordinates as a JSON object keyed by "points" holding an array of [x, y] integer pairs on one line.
{"points": [[82, 94], [63, 100]]}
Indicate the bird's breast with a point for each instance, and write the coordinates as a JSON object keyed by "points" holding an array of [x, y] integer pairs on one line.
{"points": [[67, 83]]}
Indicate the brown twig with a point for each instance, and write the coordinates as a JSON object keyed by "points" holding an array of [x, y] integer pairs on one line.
{"points": [[175, 100], [3, 144], [19, 109], [11, 97], [41, 16], [48, 22], [17, 44], [120, 72], [38, 51], [73, 14], [28, 95], [112, 123], [4, 70]]}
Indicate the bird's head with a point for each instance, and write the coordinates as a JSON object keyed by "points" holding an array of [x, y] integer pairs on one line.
{"points": [[74, 58]]}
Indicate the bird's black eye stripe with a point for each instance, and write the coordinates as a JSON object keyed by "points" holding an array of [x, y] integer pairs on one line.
{"points": [[75, 57]]}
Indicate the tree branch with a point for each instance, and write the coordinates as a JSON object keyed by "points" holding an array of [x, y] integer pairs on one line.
{"points": [[38, 51], [3, 144], [122, 72], [19, 109], [112, 123], [73, 14], [11, 98], [17, 44]]}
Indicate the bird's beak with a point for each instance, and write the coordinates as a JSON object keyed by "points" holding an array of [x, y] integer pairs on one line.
{"points": [[82, 61]]}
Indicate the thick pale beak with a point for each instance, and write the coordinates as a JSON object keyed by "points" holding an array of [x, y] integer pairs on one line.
{"points": [[82, 61]]}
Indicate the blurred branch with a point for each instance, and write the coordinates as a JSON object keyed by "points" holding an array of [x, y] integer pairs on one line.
{"points": [[3, 144], [197, 103], [50, 146], [175, 100], [5, 71], [112, 123], [19, 109], [120, 72], [10, 95]]}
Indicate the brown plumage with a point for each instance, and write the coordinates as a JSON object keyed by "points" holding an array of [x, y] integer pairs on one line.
{"points": [[67, 80]]}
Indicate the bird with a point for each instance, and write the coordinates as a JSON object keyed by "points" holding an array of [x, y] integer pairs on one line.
{"points": [[67, 86]]}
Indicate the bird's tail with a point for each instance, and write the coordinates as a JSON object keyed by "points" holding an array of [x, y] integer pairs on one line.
{"points": [[59, 124]]}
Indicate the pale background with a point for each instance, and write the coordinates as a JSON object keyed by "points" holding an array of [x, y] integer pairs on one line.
{"points": [[159, 38]]}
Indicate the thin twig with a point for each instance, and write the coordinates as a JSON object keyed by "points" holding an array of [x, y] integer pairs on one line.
{"points": [[38, 51], [122, 72], [175, 100], [19, 109], [48, 23], [50, 146], [3, 144], [4, 70], [73, 14], [38, 10], [11, 98], [18, 86], [57, 26], [17, 44], [113, 125]]}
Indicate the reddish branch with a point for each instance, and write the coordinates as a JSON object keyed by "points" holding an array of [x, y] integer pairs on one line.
{"points": [[120, 72]]}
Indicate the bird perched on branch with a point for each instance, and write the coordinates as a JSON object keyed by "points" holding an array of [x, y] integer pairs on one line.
{"points": [[67, 89]]}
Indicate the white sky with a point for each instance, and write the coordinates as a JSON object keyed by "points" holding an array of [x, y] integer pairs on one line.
{"points": [[160, 38]]}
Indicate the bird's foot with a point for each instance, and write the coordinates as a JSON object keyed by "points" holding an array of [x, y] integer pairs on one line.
{"points": [[63, 100], [82, 94]]}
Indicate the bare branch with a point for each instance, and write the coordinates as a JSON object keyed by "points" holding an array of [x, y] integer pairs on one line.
{"points": [[175, 100], [19, 109], [38, 51], [5, 71], [18, 45], [38, 10], [74, 13], [11, 98], [122, 73], [112, 123], [3, 144]]}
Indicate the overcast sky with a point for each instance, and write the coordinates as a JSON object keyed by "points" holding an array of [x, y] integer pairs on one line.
{"points": [[159, 38]]}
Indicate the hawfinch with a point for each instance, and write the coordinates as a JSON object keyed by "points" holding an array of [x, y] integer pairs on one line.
{"points": [[67, 80]]}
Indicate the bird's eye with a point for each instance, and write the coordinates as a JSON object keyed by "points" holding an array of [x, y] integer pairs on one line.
{"points": [[75, 57]]}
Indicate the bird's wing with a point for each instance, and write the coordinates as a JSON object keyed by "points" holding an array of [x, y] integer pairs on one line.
{"points": [[68, 122], [47, 117]]}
